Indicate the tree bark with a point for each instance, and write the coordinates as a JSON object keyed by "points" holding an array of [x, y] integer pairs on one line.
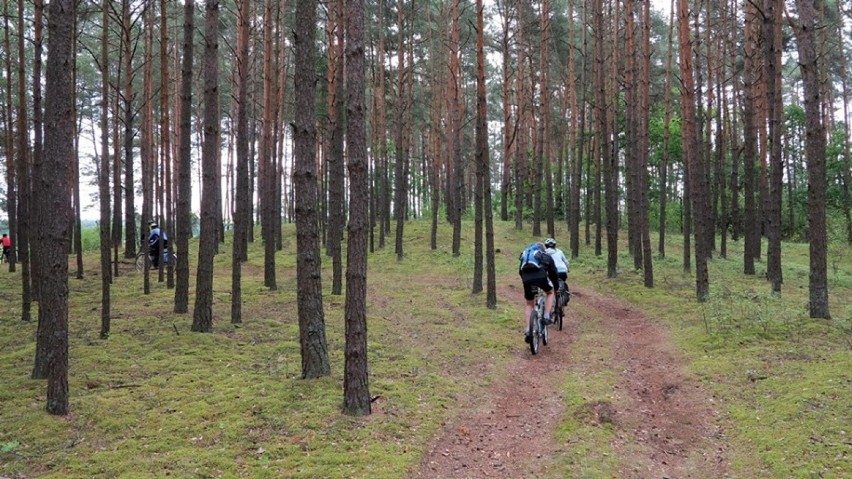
{"points": [[694, 159], [314, 349], [815, 153], [356, 391], [51, 179], [183, 225], [241, 212], [202, 318], [103, 176]]}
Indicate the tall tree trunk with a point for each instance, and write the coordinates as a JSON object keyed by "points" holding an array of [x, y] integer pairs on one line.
{"points": [[241, 212], [694, 158], [11, 180], [751, 222], [401, 164], [483, 161], [23, 174], [166, 130], [664, 163], [38, 135], [202, 318], [314, 348], [356, 391], [183, 225], [130, 238], [52, 182], [506, 12], [772, 57], [103, 175], [266, 187], [457, 176], [644, 148], [605, 153], [336, 171], [815, 152], [147, 154]]}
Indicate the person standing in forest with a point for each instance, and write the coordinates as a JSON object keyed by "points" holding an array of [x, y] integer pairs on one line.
{"points": [[7, 246], [537, 270]]}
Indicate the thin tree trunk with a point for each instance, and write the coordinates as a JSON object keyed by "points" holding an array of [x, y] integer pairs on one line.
{"points": [[130, 238], [694, 158], [103, 176], [11, 180], [772, 56], [183, 225], [336, 166], [242, 192], [23, 174], [265, 166]]}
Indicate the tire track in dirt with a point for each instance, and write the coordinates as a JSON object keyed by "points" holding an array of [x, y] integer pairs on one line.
{"points": [[664, 422]]}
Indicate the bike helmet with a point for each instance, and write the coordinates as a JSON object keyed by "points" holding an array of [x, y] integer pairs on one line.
{"points": [[550, 243], [152, 225]]}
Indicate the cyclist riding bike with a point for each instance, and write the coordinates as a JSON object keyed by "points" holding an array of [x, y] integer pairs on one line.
{"points": [[154, 237], [561, 262], [537, 270]]}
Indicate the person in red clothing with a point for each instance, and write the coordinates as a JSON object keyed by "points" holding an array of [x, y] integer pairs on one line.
{"points": [[7, 246]]}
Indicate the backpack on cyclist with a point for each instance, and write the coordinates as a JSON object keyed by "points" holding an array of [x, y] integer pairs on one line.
{"points": [[530, 259]]}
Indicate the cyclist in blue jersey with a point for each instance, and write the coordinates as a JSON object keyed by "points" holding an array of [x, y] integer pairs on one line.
{"points": [[537, 271]]}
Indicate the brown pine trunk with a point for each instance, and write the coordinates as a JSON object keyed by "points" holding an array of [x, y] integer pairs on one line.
{"points": [[401, 161], [166, 133], [694, 158], [36, 206], [11, 180], [241, 210], [130, 238], [356, 391], [334, 158], [663, 171], [456, 178], [751, 225], [183, 226], [772, 56], [483, 161], [644, 148], [103, 176], [23, 174], [266, 169], [55, 191], [815, 152], [314, 349], [202, 318]]}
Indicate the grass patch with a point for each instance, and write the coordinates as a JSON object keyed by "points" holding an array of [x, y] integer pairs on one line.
{"points": [[155, 399]]}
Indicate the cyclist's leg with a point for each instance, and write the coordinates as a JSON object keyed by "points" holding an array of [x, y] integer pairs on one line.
{"points": [[529, 296], [548, 288]]}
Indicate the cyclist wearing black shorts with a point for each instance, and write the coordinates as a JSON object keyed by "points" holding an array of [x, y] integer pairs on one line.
{"points": [[541, 275]]}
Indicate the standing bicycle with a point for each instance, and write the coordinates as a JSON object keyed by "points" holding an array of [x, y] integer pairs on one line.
{"points": [[537, 272], [562, 268]]}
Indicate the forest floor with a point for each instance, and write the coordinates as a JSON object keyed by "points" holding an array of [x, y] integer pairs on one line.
{"points": [[663, 420]]}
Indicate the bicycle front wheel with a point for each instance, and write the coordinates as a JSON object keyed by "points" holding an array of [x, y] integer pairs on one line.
{"points": [[535, 333]]}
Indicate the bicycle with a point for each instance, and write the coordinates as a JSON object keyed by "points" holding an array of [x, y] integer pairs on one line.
{"points": [[538, 328], [143, 259], [563, 296]]}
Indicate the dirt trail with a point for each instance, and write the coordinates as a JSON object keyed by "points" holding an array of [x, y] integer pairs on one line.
{"points": [[664, 422]]}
